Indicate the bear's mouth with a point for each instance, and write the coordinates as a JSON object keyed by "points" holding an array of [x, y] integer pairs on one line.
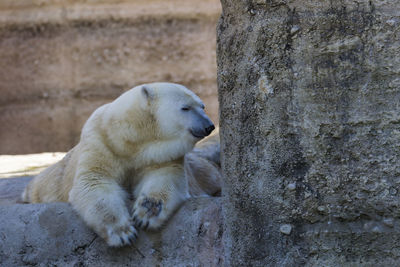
{"points": [[196, 135]]}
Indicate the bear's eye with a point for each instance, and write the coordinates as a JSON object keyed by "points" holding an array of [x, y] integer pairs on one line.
{"points": [[185, 108]]}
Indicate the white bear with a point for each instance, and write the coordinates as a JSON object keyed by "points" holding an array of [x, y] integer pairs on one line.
{"points": [[132, 146]]}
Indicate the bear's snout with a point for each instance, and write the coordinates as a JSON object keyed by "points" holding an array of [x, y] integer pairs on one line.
{"points": [[202, 132], [209, 129]]}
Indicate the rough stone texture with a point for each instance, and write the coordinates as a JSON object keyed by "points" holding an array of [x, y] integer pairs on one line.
{"points": [[53, 235], [309, 95], [62, 59], [12, 188]]}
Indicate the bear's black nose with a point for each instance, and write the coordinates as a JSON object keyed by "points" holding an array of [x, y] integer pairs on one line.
{"points": [[209, 129]]}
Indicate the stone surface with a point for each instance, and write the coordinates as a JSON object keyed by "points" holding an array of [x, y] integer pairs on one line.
{"points": [[60, 60], [12, 188], [53, 235], [309, 96], [286, 229]]}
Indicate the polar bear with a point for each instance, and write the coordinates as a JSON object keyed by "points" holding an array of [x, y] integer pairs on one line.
{"points": [[134, 146]]}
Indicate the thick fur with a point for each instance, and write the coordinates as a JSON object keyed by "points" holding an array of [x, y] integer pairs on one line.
{"points": [[132, 146], [203, 167]]}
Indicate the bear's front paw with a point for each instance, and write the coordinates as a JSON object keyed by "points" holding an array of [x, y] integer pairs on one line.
{"points": [[148, 213], [121, 236]]}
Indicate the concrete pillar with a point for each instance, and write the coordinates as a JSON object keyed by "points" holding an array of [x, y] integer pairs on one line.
{"points": [[309, 96]]}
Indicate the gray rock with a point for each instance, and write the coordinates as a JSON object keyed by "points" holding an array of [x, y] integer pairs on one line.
{"points": [[53, 235], [309, 93], [12, 188]]}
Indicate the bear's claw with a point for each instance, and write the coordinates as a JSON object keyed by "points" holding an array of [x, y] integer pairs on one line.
{"points": [[122, 237]]}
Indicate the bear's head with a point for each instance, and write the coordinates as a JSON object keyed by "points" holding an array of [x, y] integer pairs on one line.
{"points": [[177, 110]]}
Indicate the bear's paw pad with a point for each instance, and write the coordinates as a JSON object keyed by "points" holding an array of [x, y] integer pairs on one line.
{"points": [[146, 213]]}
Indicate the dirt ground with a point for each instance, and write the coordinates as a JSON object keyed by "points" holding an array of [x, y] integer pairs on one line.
{"points": [[26, 165]]}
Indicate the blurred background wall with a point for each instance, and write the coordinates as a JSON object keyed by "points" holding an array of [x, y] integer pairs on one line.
{"points": [[60, 60]]}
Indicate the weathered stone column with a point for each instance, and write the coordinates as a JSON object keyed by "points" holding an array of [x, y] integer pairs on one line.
{"points": [[309, 96]]}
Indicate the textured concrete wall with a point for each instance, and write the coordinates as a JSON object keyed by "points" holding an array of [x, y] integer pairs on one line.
{"points": [[53, 235], [62, 59], [310, 123]]}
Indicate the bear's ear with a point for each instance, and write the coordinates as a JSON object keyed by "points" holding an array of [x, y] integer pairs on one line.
{"points": [[147, 92]]}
